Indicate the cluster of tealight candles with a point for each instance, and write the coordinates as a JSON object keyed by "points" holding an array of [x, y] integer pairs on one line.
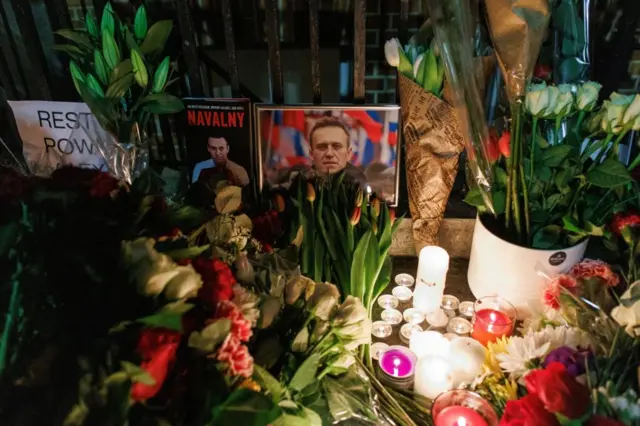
{"points": [[446, 337]]}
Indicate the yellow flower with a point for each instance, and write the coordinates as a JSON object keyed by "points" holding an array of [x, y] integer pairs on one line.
{"points": [[495, 348], [250, 384], [511, 388]]}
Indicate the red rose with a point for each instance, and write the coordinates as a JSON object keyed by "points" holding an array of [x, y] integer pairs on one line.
{"points": [[558, 391], [603, 421], [527, 411], [622, 220], [218, 280], [543, 72], [158, 347], [504, 144], [267, 227], [491, 147]]}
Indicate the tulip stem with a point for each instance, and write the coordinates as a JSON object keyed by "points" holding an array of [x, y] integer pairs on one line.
{"points": [[557, 129], [576, 129], [516, 165], [534, 140]]}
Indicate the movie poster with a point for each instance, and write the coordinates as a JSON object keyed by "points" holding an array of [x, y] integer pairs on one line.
{"points": [[218, 141]]}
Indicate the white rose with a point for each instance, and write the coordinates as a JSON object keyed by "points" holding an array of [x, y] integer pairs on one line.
{"points": [[269, 310], [152, 276], [136, 250], [537, 99], [344, 361], [294, 287], [565, 101], [350, 312], [614, 112], [588, 95], [185, 283], [356, 334], [323, 300], [392, 52], [629, 316], [636, 124], [244, 271], [632, 112], [553, 94], [301, 341]]}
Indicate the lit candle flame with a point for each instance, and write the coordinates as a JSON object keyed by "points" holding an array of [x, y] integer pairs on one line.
{"points": [[462, 421], [396, 364]]}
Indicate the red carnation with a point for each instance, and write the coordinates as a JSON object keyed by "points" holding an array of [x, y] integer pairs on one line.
{"points": [[593, 268], [527, 411], [240, 326], [622, 220], [236, 356], [558, 391], [158, 347], [551, 295], [218, 280]]}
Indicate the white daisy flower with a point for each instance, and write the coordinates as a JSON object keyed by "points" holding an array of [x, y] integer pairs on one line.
{"points": [[522, 354]]}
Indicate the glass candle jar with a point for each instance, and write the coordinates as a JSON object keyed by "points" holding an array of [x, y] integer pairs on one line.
{"points": [[493, 317], [397, 367], [462, 407]]}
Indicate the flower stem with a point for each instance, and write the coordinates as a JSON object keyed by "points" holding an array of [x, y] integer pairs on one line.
{"points": [[576, 129], [534, 139], [557, 130], [12, 313], [515, 167], [603, 150]]}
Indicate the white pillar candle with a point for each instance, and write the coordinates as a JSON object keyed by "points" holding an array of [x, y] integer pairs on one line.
{"points": [[432, 377], [433, 265], [429, 343], [467, 356]]}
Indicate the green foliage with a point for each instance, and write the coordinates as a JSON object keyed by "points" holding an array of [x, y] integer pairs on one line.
{"points": [[104, 76], [170, 316], [246, 407]]}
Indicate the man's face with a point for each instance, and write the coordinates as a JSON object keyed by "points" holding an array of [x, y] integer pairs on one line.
{"points": [[330, 149], [218, 149]]}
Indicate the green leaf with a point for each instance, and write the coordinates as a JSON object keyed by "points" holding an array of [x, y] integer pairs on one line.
{"points": [[156, 38], [91, 25], [542, 172], [609, 174], [228, 199], [359, 267], [547, 237], [500, 177], [592, 229], [318, 257], [430, 82], [101, 67], [570, 224], [137, 374], [78, 38], [117, 89], [474, 197], [8, 237], [247, 408], [405, 66], [77, 76], [306, 373], [124, 68], [291, 420], [73, 51], [169, 316], [160, 77], [108, 22], [553, 200], [187, 253], [499, 201], [139, 69], [140, 23], [210, 336], [555, 155], [268, 383], [110, 50], [130, 41], [563, 177], [162, 103], [94, 85]]}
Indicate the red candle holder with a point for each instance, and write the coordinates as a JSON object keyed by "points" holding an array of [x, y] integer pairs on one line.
{"points": [[461, 407], [493, 317]]}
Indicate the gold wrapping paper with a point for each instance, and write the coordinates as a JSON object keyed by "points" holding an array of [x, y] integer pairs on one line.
{"points": [[433, 141], [517, 30]]}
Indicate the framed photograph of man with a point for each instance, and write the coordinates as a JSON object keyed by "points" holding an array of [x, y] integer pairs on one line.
{"points": [[364, 141]]}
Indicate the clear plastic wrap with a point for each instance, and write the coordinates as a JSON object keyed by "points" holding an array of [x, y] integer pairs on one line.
{"points": [[452, 22]]}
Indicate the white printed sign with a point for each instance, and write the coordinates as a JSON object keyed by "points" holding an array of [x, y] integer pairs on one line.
{"points": [[55, 134]]}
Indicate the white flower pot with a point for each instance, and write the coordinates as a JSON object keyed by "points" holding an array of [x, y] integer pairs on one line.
{"points": [[514, 273]]}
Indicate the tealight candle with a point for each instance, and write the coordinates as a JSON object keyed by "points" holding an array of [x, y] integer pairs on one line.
{"points": [[460, 407], [391, 316], [493, 318], [429, 343], [403, 294], [408, 330], [405, 280], [449, 304], [466, 309], [397, 367], [433, 376], [387, 301], [437, 320], [450, 336], [381, 329], [433, 265], [459, 326], [377, 349], [413, 316]]}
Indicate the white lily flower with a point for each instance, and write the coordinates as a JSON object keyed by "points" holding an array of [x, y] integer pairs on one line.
{"points": [[629, 316], [391, 52], [537, 99], [588, 95]]}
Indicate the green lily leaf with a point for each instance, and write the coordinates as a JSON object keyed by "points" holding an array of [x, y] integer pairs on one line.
{"points": [[140, 23], [117, 89], [547, 237], [78, 38], [101, 67], [108, 21], [247, 408], [156, 38], [110, 50], [139, 69], [91, 25], [77, 76], [160, 77], [162, 103], [94, 85], [169, 316], [125, 67], [75, 52], [268, 382], [306, 373]]}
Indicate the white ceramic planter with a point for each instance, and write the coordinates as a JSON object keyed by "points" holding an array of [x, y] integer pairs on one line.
{"points": [[515, 273]]}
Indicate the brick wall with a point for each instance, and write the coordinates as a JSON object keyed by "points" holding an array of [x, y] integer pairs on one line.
{"points": [[382, 23]]}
